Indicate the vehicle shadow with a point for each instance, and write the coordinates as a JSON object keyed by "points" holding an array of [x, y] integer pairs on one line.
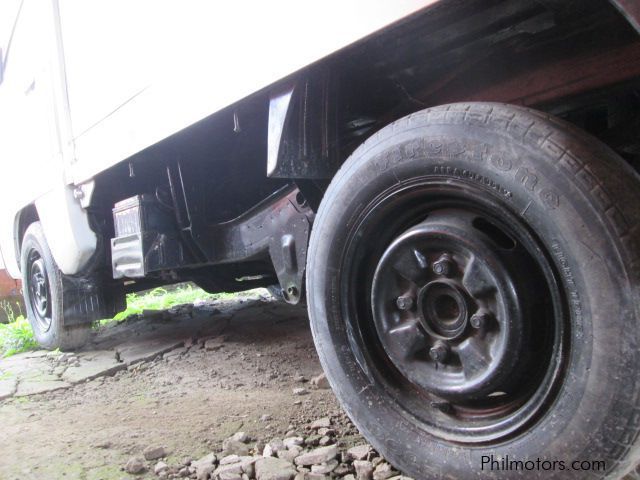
{"points": [[253, 320]]}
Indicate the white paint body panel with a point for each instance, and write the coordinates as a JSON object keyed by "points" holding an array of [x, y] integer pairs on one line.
{"points": [[36, 143], [113, 77], [67, 231]]}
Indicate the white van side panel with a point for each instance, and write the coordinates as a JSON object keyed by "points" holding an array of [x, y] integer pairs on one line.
{"points": [[30, 158], [37, 146], [90, 83], [65, 225], [139, 71]]}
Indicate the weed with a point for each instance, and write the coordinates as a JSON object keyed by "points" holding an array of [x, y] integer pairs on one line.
{"points": [[16, 337], [161, 299], [8, 308]]}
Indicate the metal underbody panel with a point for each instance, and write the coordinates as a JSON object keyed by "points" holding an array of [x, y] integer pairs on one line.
{"points": [[276, 230]]}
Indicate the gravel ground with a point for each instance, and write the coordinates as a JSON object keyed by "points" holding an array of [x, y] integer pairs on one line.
{"points": [[241, 397]]}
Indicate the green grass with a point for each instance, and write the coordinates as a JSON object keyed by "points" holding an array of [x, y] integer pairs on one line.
{"points": [[16, 337], [161, 299]]}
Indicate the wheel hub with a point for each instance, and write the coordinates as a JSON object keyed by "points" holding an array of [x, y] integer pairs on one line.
{"points": [[447, 305], [443, 309], [39, 292]]}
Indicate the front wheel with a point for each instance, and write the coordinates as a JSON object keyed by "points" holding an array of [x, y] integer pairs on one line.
{"points": [[473, 292], [43, 288]]}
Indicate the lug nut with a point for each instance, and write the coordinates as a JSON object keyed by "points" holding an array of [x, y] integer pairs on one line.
{"points": [[479, 319], [404, 302], [444, 265], [439, 352]]}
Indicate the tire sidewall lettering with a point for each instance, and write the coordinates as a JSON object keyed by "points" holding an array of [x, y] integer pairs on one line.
{"points": [[440, 152]]}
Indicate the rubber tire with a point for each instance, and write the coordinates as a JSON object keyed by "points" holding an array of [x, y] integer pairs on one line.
{"points": [[58, 335], [580, 197]]}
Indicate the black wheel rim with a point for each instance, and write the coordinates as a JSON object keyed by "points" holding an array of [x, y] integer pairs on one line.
{"points": [[39, 291], [455, 310]]}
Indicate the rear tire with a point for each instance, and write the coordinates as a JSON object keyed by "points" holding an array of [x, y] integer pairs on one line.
{"points": [[518, 217], [42, 290]]}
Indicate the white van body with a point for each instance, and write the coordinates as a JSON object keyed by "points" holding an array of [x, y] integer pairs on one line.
{"points": [[87, 84]]}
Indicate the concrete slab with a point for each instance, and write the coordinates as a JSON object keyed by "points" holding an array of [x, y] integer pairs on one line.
{"points": [[120, 346], [40, 354], [93, 365], [148, 349], [31, 387], [8, 388]]}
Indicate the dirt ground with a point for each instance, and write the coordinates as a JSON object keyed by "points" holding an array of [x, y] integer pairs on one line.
{"points": [[187, 400]]}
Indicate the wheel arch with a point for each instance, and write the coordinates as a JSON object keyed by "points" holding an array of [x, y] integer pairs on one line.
{"points": [[319, 116], [25, 217], [66, 227]]}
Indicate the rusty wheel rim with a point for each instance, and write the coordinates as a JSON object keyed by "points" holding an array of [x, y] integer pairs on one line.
{"points": [[420, 325]]}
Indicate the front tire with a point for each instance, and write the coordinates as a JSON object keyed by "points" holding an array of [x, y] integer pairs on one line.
{"points": [[473, 292], [43, 289]]}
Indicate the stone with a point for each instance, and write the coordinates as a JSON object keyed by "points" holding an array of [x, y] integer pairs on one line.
{"points": [[215, 343], [273, 447], [204, 466], [240, 437], [324, 422], [313, 440], [342, 469], [229, 476], [135, 466], [293, 441], [154, 314], [325, 468], [359, 452], [231, 447], [321, 382], [145, 350], [154, 452], [289, 455], [229, 468], [383, 471], [104, 444], [243, 465], [268, 451], [229, 459], [316, 476], [160, 467], [317, 456], [364, 469], [176, 352], [300, 391], [274, 469]]}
